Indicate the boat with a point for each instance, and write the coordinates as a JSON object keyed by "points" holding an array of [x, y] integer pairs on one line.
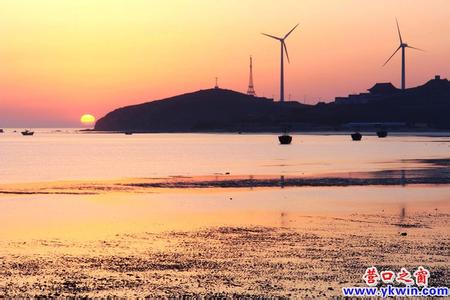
{"points": [[27, 132], [1, 130], [356, 136], [382, 133], [285, 139], [128, 132]]}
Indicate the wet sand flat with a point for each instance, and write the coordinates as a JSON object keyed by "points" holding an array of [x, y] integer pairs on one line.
{"points": [[314, 260], [419, 172], [293, 242]]}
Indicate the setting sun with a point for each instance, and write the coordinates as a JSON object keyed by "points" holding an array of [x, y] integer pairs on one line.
{"points": [[87, 119]]}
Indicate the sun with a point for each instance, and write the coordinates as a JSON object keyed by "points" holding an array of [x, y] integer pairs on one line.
{"points": [[87, 119]]}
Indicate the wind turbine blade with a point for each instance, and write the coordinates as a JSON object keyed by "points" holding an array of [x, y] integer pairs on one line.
{"points": [[285, 50], [415, 48], [392, 56], [290, 31], [399, 34], [271, 36]]}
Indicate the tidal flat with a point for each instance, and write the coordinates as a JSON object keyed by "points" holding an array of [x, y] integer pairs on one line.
{"points": [[259, 242]]}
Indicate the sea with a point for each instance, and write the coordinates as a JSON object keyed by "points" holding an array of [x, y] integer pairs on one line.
{"points": [[71, 154]]}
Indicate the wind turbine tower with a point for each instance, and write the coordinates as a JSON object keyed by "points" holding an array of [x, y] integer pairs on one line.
{"points": [[251, 89], [402, 46], [283, 50]]}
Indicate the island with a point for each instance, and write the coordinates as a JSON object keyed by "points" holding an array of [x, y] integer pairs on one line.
{"points": [[426, 107]]}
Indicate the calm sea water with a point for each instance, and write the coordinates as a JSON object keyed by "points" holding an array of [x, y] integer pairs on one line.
{"points": [[67, 154]]}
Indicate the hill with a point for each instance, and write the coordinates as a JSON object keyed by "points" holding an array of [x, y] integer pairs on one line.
{"points": [[204, 110]]}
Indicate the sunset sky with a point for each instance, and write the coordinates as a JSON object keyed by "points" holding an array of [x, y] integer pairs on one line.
{"points": [[61, 59]]}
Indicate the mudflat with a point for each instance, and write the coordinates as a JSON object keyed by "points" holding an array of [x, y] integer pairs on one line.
{"points": [[279, 250]]}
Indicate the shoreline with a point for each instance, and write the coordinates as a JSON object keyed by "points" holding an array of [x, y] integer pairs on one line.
{"points": [[139, 185], [425, 172], [306, 132], [370, 132]]}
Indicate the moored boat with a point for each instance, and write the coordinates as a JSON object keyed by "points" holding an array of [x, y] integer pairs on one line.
{"points": [[356, 136], [382, 133], [27, 132], [285, 139]]}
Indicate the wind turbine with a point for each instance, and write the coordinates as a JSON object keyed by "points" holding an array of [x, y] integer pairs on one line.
{"points": [[402, 46], [283, 49]]}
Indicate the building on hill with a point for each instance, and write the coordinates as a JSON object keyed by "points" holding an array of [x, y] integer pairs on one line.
{"points": [[438, 81], [384, 88], [378, 91]]}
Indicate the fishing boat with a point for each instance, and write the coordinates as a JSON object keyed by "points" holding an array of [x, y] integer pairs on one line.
{"points": [[128, 132], [27, 132], [285, 139], [382, 133], [356, 136]]}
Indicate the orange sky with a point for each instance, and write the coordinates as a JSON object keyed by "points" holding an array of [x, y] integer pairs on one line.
{"points": [[61, 59]]}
